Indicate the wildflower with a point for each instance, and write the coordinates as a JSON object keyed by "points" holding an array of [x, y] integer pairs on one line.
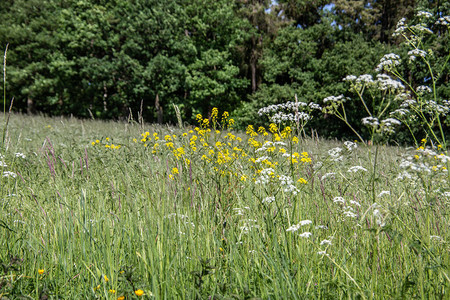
{"points": [[338, 200], [335, 99], [305, 222], [384, 193], [350, 145], [41, 271], [302, 181], [391, 60], [139, 292], [121, 298], [325, 242], [370, 121], [306, 234], [106, 278], [8, 174], [293, 227], [268, 199], [331, 175], [356, 169], [112, 291], [18, 154]]}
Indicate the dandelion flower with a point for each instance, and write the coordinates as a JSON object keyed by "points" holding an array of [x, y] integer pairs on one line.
{"points": [[41, 271], [106, 278], [139, 292]]}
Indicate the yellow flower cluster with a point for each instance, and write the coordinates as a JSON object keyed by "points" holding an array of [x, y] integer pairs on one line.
{"points": [[106, 145], [220, 151]]}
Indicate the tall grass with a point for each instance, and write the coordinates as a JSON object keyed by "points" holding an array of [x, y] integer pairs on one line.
{"points": [[103, 219]]}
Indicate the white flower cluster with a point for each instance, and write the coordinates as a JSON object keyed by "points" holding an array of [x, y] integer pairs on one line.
{"points": [[422, 89], [269, 144], [296, 227], [378, 215], [365, 78], [9, 174], [335, 154], [370, 121], [445, 20], [348, 210], [432, 107], [384, 193], [21, 155], [422, 28], [400, 97], [336, 99], [355, 169], [280, 113], [413, 54], [400, 112], [385, 82], [388, 124], [283, 106], [431, 162], [281, 117], [288, 112], [424, 14], [408, 103], [327, 175], [265, 175], [350, 145], [268, 200], [288, 184], [400, 28], [388, 62], [261, 159]]}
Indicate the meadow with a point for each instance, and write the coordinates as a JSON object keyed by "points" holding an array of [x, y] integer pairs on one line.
{"points": [[121, 210]]}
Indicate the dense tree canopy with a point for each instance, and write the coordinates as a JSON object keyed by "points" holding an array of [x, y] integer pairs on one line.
{"points": [[110, 59]]}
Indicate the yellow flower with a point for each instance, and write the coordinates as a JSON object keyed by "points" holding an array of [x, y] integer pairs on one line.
{"points": [[97, 287], [112, 291], [135, 140], [170, 176], [93, 143], [175, 171], [107, 146], [139, 292], [302, 181], [107, 139], [41, 271], [97, 141], [243, 178], [106, 278], [121, 298]]}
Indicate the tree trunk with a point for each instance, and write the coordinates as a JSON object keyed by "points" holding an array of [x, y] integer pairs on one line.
{"points": [[159, 109], [30, 106]]}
